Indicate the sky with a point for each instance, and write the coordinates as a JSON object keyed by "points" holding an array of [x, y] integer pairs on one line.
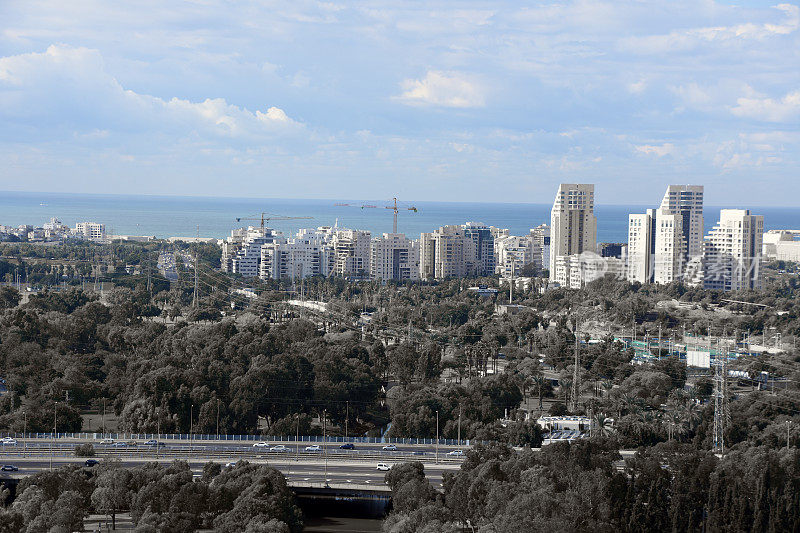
{"points": [[496, 101]]}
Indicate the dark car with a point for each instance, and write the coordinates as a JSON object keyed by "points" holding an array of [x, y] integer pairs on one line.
{"points": [[347, 446], [9, 468], [91, 462]]}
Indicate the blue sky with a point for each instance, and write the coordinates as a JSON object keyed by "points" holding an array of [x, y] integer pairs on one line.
{"points": [[456, 101]]}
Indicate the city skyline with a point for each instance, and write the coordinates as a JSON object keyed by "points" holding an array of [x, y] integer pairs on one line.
{"points": [[495, 102]]}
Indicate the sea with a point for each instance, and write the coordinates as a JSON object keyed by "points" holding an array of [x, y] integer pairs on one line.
{"points": [[188, 216]]}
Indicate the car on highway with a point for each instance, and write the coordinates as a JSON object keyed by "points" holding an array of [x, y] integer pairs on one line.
{"points": [[9, 468], [384, 467], [347, 446], [91, 462], [261, 445], [314, 448], [107, 442], [280, 448], [120, 444], [389, 448], [8, 441], [153, 442], [456, 453]]}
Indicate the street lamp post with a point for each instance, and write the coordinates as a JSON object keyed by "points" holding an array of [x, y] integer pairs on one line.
{"points": [[437, 436], [217, 418], [24, 431], [324, 442], [55, 426], [191, 428]]}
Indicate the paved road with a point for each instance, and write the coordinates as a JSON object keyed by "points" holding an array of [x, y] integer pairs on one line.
{"points": [[233, 450], [303, 472]]}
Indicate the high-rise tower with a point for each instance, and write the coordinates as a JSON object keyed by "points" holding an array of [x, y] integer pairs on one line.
{"points": [[573, 226]]}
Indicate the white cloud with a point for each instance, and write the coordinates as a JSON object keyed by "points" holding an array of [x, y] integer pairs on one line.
{"points": [[784, 109], [681, 40], [446, 89], [657, 150], [69, 87]]}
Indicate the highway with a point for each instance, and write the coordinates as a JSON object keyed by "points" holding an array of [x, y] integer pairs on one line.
{"points": [[305, 472], [301, 468]]}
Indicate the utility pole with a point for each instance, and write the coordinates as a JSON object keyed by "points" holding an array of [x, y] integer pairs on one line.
{"points": [[787, 434], [346, 416], [459, 424], [194, 299], [576, 374], [24, 431], [217, 418], [720, 403]]}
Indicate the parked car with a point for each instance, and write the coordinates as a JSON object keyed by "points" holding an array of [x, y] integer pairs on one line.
{"points": [[91, 462], [8, 441], [261, 445], [390, 448], [120, 444], [384, 467], [153, 442], [456, 453], [280, 448], [347, 446], [314, 448], [9, 468], [230, 465], [107, 442]]}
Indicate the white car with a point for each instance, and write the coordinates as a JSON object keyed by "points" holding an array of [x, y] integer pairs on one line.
{"points": [[384, 467], [314, 448], [107, 442], [261, 445], [280, 448], [456, 453], [390, 448], [8, 441]]}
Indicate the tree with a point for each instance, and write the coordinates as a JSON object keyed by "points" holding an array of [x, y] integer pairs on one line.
{"points": [[111, 492], [9, 297]]}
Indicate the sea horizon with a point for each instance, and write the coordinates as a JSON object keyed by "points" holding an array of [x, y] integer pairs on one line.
{"points": [[165, 216]]}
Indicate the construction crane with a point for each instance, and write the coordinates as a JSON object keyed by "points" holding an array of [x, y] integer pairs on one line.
{"points": [[265, 218], [396, 210]]}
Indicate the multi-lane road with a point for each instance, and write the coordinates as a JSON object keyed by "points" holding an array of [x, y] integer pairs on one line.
{"points": [[331, 465]]}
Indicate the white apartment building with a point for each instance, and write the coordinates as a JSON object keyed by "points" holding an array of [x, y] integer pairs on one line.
{"points": [[732, 252], [514, 253], [394, 256], [309, 253], [232, 244], [782, 245], [641, 246], [246, 259], [91, 231], [573, 226], [483, 264], [575, 271], [351, 252], [670, 248], [541, 239], [446, 253], [663, 242]]}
